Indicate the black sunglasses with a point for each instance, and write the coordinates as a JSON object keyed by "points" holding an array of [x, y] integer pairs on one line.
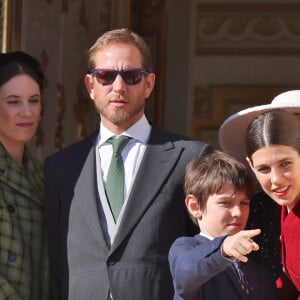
{"points": [[130, 76]]}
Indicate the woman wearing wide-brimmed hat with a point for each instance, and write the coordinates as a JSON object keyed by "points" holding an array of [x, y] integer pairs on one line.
{"points": [[268, 138]]}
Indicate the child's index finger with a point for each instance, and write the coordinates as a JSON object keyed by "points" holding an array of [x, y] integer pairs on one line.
{"points": [[252, 232]]}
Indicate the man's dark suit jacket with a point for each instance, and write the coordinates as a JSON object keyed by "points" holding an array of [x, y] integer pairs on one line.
{"points": [[200, 272], [136, 266]]}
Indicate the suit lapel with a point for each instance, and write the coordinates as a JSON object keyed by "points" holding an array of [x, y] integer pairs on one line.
{"points": [[158, 161], [86, 196], [230, 273]]}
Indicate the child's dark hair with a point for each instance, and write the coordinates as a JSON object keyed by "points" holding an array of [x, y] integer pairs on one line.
{"points": [[207, 175]]}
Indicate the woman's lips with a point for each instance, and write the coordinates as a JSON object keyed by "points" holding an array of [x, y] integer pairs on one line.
{"points": [[282, 191], [25, 124]]}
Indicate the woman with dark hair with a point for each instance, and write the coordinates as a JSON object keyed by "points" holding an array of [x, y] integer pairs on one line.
{"points": [[273, 153], [270, 127], [23, 250]]}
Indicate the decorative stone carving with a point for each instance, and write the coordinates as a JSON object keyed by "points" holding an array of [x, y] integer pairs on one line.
{"points": [[248, 28]]}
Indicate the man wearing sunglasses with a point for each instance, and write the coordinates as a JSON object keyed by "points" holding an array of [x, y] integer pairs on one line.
{"points": [[95, 253]]}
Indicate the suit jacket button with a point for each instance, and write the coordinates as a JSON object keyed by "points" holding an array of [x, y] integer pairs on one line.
{"points": [[11, 208], [12, 256]]}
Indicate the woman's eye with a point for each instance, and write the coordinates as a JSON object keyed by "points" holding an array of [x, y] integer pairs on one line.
{"points": [[263, 170], [35, 100], [12, 101]]}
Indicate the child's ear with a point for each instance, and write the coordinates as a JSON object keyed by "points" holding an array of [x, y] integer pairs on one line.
{"points": [[193, 206]]}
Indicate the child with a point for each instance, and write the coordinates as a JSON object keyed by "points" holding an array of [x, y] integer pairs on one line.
{"points": [[214, 263]]}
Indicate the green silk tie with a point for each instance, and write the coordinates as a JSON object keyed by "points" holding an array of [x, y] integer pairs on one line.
{"points": [[115, 176]]}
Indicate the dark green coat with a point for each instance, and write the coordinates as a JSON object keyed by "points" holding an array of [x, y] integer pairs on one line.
{"points": [[23, 251]]}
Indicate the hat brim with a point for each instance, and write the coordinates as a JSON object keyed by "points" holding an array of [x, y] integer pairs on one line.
{"points": [[232, 132]]}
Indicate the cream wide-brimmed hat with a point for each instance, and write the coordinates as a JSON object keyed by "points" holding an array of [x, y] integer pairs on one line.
{"points": [[232, 131]]}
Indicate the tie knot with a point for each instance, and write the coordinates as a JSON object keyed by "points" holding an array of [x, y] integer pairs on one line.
{"points": [[119, 143]]}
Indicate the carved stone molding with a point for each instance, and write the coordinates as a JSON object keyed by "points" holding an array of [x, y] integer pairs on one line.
{"points": [[248, 29], [216, 103]]}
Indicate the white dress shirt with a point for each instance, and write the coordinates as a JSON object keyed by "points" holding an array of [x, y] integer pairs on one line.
{"points": [[132, 155]]}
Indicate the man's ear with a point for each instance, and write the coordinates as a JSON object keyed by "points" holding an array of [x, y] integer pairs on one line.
{"points": [[149, 80], [193, 206], [89, 84]]}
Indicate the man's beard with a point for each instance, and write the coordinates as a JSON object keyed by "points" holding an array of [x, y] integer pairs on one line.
{"points": [[119, 116]]}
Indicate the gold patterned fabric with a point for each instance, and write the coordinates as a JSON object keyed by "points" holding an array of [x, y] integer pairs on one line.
{"points": [[23, 248]]}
